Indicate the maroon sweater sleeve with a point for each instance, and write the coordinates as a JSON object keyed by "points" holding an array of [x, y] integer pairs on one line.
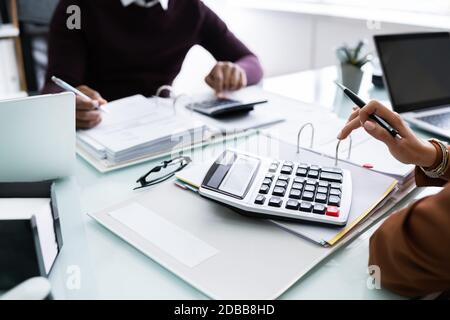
{"points": [[67, 52], [225, 46]]}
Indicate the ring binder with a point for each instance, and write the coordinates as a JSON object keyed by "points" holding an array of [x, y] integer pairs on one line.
{"points": [[336, 159], [175, 97], [171, 91], [300, 132], [164, 88]]}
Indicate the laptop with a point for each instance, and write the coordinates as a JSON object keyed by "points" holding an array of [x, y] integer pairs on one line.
{"points": [[416, 70], [37, 137]]}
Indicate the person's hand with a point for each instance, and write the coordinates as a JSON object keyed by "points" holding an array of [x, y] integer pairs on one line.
{"points": [[86, 114], [226, 76], [410, 149]]}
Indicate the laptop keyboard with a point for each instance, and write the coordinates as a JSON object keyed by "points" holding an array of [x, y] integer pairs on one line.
{"points": [[441, 120]]}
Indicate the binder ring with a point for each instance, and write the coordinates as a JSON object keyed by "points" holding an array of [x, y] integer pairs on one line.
{"points": [[171, 94], [336, 159], [164, 88], [309, 124]]}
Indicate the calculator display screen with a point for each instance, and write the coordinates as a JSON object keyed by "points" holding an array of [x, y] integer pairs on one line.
{"points": [[232, 174]]}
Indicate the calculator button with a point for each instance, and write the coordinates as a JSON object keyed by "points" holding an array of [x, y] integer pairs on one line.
{"points": [[273, 168], [260, 199], [281, 183], [298, 186], [323, 184], [286, 170], [303, 166], [336, 185], [332, 170], [322, 189], [299, 180], [335, 192], [309, 196], [319, 209], [311, 181], [321, 197], [295, 194], [332, 211], [275, 202], [270, 176], [283, 178], [288, 164], [264, 189], [334, 201], [301, 172], [267, 181], [313, 174], [310, 188], [278, 191], [292, 204], [333, 177], [306, 207], [314, 167]]}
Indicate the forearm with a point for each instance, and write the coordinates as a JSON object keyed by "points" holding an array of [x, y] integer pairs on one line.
{"points": [[252, 68]]}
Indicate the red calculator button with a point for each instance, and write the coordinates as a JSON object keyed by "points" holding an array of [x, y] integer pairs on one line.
{"points": [[333, 211]]}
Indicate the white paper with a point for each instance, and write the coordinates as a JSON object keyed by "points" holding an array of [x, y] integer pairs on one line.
{"points": [[178, 243], [134, 121], [365, 149]]}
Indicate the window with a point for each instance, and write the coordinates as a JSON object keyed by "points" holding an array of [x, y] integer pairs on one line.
{"points": [[440, 7]]}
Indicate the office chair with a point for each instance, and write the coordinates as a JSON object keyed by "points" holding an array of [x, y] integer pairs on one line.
{"points": [[34, 18]]}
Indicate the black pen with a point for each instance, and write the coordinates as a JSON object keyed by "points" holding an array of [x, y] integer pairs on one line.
{"points": [[360, 103]]}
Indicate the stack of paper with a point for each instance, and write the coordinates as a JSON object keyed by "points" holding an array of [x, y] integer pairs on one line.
{"points": [[135, 127]]}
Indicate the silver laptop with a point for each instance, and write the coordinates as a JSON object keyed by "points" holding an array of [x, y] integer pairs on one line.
{"points": [[416, 70], [37, 137]]}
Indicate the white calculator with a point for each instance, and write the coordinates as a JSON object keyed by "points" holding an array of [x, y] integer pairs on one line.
{"points": [[278, 189]]}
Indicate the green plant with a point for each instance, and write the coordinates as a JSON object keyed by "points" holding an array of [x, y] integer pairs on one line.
{"points": [[353, 56]]}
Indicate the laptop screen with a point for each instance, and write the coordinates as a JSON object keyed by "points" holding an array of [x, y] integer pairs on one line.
{"points": [[416, 68]]}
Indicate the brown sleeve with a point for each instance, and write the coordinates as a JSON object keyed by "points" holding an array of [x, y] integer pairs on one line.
{"points": [[412, 247], [422, 180]]}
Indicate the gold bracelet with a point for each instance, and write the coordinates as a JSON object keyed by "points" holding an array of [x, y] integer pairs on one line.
{"points": [[442, 167]]}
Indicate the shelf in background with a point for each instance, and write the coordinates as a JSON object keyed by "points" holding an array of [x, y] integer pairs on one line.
{"points": [[8, 31], [15, 95]]}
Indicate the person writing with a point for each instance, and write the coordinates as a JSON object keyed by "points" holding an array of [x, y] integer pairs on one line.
{"points": [[411, 246], [127, 47]]}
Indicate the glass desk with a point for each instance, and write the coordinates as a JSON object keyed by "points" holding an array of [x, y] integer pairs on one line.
{"points": [[97, 264]]}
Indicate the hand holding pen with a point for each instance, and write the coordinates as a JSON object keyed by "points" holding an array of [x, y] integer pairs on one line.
{"points": [[88, 104], [409, 149]]}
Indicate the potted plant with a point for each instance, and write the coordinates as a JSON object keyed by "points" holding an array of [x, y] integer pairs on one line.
{"points": [[351, 61]]}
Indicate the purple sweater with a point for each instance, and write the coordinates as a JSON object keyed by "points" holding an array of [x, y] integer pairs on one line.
{"points": [[121, 51]]}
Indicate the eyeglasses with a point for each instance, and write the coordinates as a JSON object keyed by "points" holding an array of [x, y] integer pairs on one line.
{"points": [[178, 164]]}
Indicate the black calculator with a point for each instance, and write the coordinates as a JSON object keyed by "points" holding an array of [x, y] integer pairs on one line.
{"points": [[220, 107], [278, 189]]}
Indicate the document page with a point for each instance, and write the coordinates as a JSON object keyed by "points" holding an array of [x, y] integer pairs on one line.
{"points": [[135, 121]]}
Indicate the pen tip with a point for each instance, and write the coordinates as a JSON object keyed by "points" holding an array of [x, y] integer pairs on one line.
{"points": [[340, 85]]}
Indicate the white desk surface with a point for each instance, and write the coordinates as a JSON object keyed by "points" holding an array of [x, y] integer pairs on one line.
{"points": [[108, 268]]}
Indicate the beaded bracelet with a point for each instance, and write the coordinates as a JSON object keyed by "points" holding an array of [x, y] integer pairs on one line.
{"points": [[442, 167]]}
